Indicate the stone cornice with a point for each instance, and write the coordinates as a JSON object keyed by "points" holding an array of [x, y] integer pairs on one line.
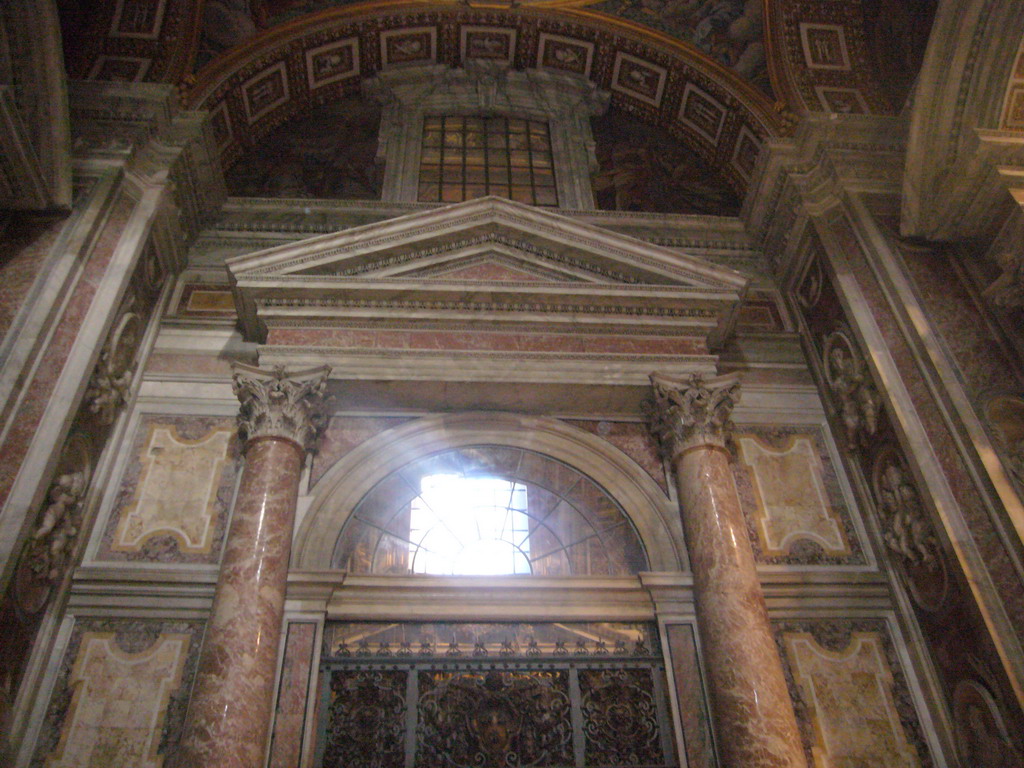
{"points": [[949, 189], [139, 127]]}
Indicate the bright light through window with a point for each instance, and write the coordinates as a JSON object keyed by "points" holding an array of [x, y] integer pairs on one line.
{"points": [[470, 526]]}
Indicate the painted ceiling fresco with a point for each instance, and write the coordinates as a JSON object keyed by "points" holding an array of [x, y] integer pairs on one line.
{"points": [[328, 152], [644, 169], [730, 31]]}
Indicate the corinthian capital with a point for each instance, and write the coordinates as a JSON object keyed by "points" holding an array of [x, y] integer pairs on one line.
{"points": [[692, 411], [277, 403]]}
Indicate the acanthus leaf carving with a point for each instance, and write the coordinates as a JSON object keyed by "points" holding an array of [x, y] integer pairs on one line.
{"points": [[282, 404], [692, 411]]}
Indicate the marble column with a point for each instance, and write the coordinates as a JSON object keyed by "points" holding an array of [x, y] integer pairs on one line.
{"points": [[752, 711], [229, 713]]}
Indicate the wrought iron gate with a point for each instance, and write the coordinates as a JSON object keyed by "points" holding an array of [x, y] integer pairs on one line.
{"points": [[493, 704]]}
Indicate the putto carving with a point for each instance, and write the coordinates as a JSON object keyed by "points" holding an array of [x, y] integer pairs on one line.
{"points": [[58, 528], [856, 397], [1007, 290], [111, 381], [693, 410], [50, 547], [279, 403], [907, 530]]}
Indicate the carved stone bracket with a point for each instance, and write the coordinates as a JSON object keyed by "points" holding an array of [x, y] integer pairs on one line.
{"points": [[278, 403], [692, 411], [855, 396]]}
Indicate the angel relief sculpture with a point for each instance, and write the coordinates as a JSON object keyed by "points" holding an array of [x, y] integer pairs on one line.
{"points": [[857, 399], [907, 532]]}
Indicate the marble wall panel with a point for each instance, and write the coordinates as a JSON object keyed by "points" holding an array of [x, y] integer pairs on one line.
{"points": [[175, 491], [29, 413], [23, 250], [438, 340], [343, 433], [634, 440], [206, 301], [851, 697], [690, 692], [121, 694], [293, 691], [790, 493]]}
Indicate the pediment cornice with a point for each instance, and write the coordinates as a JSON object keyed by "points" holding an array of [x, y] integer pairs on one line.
{"points": [[544, 269]]}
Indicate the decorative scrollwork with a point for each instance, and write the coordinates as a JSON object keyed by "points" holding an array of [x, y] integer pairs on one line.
{"points": [[620, 717], [692, 411], [857, 399], [496, 719], [366, 719]]}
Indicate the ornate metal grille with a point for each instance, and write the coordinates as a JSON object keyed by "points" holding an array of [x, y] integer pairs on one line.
{"points": [[418, 703]]}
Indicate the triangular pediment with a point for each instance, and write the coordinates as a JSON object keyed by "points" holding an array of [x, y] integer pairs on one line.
{"points": [[547, 239], [495, 262], [478, 258]]}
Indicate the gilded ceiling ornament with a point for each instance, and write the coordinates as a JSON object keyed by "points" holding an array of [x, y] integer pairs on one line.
{"points": [[693, 410], [278, 403]]}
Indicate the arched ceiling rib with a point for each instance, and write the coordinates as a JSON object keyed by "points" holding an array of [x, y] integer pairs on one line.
{"points": [[278, 74]]}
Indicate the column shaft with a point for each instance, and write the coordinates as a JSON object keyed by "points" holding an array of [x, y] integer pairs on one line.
{"points": [[753, 714], [232, 697], [228, 717]]}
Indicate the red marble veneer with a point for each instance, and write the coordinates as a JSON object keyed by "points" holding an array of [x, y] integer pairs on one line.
{"points": [[345, 338], [231, 703], [25, 421], [22, 254], [690, 695], [290, 716], [753, 713]]}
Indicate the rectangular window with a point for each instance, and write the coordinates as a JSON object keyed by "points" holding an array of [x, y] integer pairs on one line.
{"points": [[467, 157]]}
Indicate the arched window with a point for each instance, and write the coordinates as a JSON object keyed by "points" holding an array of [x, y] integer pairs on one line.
{"points": [[489, 510]]}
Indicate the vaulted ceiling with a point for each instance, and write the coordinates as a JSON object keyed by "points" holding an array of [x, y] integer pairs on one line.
{"points": [[720, 76]]}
